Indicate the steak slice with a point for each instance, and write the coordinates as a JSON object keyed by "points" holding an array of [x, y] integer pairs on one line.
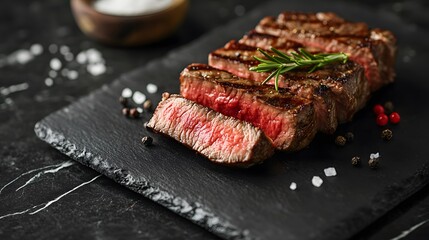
{"points": [[267, 41], [220, 138], [287, 119], [374, 49], [338, 90]]}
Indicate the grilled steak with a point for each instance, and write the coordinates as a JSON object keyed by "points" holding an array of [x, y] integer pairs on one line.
{"points": [[287, 119], [338, 91], [220, 138], [374, 49]]}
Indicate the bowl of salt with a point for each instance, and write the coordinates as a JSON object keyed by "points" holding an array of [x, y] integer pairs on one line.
{"points": [[128, 22]]}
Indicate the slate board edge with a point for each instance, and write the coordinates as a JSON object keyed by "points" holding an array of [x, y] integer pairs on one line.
{"points": [[195, 212]]}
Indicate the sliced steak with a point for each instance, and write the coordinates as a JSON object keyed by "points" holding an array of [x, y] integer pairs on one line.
{"points": [[287, 119], [374, 49], [338, 90], [220, 138], [267, 41]]}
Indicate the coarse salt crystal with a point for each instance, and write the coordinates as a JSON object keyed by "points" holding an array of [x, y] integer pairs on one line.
{"points": [[55, 64], [53, 48], [140, 110], [64, 72], [36, 49], [64, 50], [139, 97], [374, 155], [94, 56], [69, 57], [49, 82], [151, 88], [81, 58], [21, 56], [72, 74], [292, 186], [316, 181], [330, 172], [53, 74], [96, 69], [126, 93]]}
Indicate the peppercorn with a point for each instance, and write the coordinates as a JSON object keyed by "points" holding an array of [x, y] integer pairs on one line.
{"points": [[388, 106], [355, 161], [147, 105], [382, 119], [147, 141], [340, 140], [126, 112], [123, 101], [134, 113], [165, 95], [395, 118], [386, 134], [373, 163], [350, 136]]}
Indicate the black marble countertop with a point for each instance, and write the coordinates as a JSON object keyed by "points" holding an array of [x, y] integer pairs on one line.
{"points": [[76, 203]]}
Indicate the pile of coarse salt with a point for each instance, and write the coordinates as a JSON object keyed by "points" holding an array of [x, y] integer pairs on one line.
{"points": [[130, 7], [137, 96]]}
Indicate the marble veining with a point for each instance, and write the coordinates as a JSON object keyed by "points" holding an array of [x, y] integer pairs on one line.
{"points": [[54, 168], [43, 206]]}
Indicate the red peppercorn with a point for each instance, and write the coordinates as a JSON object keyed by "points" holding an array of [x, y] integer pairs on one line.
{"points": [[382, 119], [378, 109], [395, 118]]}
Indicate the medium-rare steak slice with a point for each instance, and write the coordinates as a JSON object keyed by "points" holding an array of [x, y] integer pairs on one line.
{"points": [[220, 138], [267, 41], [374, 49], [287, 119], [338, 90]]}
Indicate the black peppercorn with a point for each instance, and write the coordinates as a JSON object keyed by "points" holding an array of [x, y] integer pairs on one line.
{"points": [[126, 112], [123, 101], [134, 113], [350, 136], [373, 163], [386, 134], [355, 161], [147, 105], [340, 140], [388, 107], [147, 141]]}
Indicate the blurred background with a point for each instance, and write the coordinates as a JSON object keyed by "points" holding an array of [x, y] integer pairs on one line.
{"points": [[46, 62]]}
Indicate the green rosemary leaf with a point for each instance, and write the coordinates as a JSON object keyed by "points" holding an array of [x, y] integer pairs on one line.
{"points": [[281, 62]]}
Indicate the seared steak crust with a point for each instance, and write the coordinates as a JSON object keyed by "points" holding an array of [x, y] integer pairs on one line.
{"points": [[287, 119], [220, 138], [338, 91], [374, 49]]}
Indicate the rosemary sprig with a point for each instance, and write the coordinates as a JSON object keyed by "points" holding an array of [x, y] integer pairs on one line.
{"points": [[281, 62]]}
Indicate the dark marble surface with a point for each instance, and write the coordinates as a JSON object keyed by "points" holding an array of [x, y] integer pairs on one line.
{"points": [[103, 209]]}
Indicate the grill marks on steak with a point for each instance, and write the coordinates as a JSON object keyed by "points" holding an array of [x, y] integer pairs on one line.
{"points": [[338, 91], [220, 138], [287, 119], [374, 49]]}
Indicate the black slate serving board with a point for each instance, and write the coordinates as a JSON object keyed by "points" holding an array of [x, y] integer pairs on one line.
{"points": [[256, 203]]}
